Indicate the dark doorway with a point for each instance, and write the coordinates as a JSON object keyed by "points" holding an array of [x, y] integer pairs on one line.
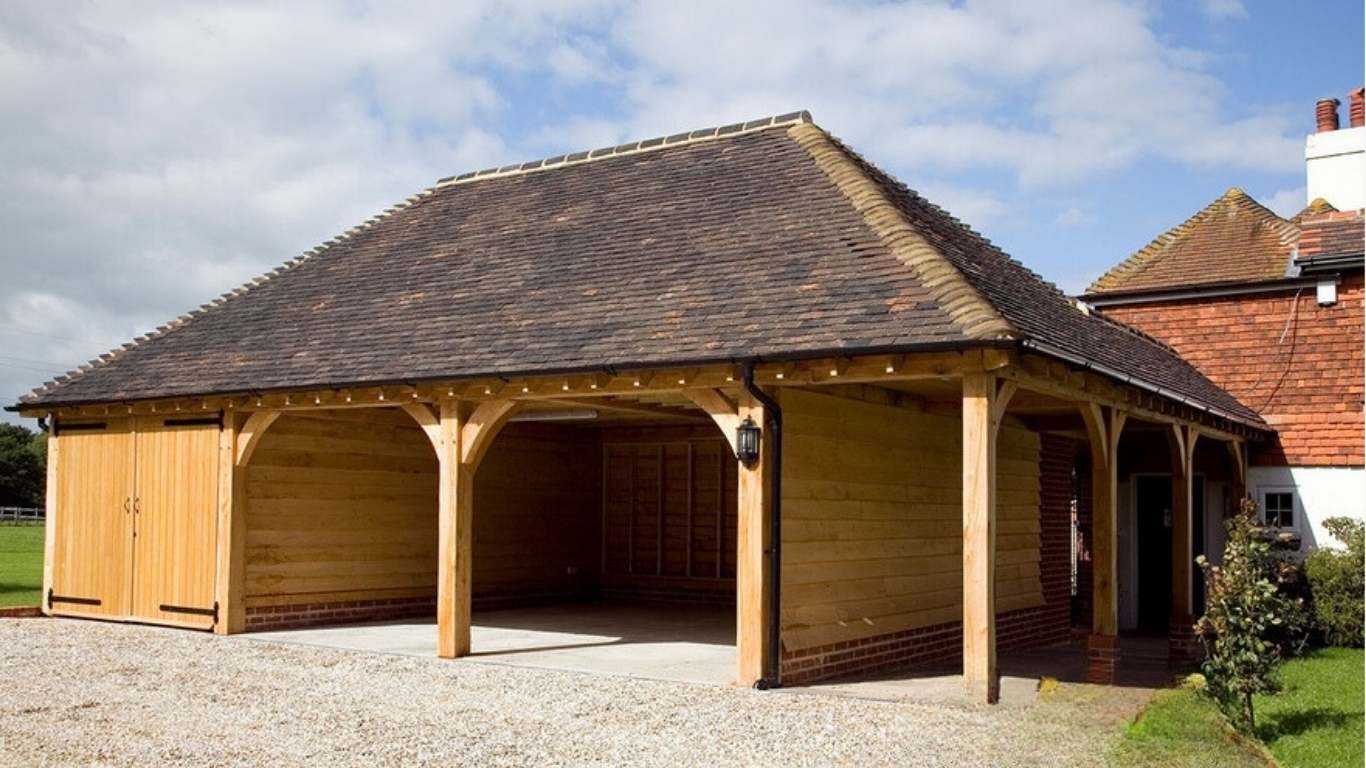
{"points": [[1153, 518]]}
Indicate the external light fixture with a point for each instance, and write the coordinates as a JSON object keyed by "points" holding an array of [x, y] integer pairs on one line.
{"points": [[747, 442]]}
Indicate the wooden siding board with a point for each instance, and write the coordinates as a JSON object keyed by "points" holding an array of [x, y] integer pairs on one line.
{"points": [[872, 541]]}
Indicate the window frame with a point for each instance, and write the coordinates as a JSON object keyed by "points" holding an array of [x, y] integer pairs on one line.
{"points": [[1263, 509]]}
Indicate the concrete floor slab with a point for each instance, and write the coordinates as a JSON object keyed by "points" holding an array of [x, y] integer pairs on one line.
{"points": [[685, 643]]}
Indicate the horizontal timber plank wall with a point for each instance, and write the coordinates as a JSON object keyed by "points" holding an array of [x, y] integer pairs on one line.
{"points": [[669, 507], [872, 535], [536, 515], [341, 520]]}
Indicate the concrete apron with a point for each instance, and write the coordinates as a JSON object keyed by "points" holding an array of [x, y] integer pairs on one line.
{"points": [[681, 643]]}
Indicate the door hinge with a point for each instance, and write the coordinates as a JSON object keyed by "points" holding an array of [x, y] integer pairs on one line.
{"points": [[210, 612], [55, 598]]}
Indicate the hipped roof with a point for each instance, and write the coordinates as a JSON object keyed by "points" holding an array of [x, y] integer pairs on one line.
{"points": [[756, 241]]}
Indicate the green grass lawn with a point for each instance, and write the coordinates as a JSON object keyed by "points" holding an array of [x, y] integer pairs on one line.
{"points": [[1183, 729], [1316, 720], [21, 565]]}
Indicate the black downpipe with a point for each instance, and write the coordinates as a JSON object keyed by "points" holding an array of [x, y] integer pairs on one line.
{"points": [[774, 416]]}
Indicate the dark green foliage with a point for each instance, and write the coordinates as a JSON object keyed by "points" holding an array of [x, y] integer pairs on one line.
{"points": [[1246, 614], [1336, 584], [23, 466]]}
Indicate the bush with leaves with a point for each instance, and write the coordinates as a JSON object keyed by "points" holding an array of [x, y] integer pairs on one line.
{"points": [[1243, 629], [1336, 584]]}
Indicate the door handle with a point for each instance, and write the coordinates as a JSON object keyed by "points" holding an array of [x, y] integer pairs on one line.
{"points": [[127, 506], [137, 506]]}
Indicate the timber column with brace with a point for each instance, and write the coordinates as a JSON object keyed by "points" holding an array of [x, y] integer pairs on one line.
{"points": [[752, 590], [984, 403], [237, 441], [1182, 647], [1103, 427], [461, 437]]}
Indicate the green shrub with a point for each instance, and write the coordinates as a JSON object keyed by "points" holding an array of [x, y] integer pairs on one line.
{"points": [[1336, 584], [1246, 615]]}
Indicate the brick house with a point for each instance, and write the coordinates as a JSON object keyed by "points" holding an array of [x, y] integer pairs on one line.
{"points": [[1271, 309]]}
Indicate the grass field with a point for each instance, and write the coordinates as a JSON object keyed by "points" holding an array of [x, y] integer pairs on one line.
{"points": [[21, 565], [1183, 729], [1316, 720]]}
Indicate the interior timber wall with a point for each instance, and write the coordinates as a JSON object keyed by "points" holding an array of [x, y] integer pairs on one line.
{"points": [[669, 507], [536, 518], [341, 520], [872, 535]]}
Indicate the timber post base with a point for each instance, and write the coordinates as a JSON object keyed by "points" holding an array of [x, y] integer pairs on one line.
{"points": [[1183, 646], [1102, 655]]}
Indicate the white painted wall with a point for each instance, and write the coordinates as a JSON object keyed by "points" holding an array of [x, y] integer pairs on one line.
{"points": [[1335, 164], [1320, 493]]}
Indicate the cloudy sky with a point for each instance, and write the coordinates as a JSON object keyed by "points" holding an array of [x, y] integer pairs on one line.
{"points": [[153, 156]]}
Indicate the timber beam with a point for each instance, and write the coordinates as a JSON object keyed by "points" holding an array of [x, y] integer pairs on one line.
{"points": [[1033, 373]]}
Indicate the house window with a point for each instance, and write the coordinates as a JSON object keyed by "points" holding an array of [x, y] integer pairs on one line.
{"points": [[1279, 508]]}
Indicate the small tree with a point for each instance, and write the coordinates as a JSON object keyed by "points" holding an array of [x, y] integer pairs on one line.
{"points": [[22, 467], [1336, 583], [1244, 609]]}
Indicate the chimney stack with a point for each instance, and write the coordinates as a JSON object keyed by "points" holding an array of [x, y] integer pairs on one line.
{"points": [[1356, 109], [1326, 114]]}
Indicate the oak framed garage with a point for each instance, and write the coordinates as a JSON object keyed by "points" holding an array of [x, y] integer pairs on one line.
{"points": [[910, 383]]}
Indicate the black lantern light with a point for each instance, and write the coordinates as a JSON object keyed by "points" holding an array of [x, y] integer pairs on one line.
{"points": [[747, 442]]}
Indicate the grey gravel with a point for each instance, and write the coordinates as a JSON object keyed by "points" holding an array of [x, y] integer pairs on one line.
{"points": [[89, 693]]}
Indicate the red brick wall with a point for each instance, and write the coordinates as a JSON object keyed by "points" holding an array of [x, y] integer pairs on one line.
{"points": [[345, 612], [1308, 385], [943, 643]]}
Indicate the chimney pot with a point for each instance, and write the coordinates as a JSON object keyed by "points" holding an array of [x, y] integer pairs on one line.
{"points": [[1326, 114], [1356, 108]]}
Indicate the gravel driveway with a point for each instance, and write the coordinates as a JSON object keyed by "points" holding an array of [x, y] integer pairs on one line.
{"points": [[82, 693]]}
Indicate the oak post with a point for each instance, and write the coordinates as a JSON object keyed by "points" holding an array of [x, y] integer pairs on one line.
{"points": [[1181, 632], [751, 572], [983, 410], [1104, 426], [454, 540], [50, 521], [231, 530]]}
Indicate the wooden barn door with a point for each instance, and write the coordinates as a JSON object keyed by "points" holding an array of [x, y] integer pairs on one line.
{"points": [[94, 522], [175, 530]]}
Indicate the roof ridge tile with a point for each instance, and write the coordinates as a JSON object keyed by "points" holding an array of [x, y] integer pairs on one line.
{"points": [[953, 291], [643, 145]]}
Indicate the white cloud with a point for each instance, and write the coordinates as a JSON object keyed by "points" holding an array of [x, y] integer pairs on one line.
{"points": [[1050, 92], [155, 155], [1224, 9], [1286, 202], [1074, 216]]}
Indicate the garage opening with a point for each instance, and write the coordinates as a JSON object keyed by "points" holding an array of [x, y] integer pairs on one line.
{"points": [[604, 538]]}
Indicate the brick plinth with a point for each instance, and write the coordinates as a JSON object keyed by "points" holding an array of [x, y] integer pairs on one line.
{"points": [[344, 612], [1102, 655], [1183, 647]]}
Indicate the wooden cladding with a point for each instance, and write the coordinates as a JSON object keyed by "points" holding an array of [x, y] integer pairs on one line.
{"points": [[669, 512], [340, 505], [873, 521], [135, 521]]}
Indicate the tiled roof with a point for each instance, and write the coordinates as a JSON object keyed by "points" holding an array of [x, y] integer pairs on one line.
{"points": [[1232, 240], [1316, 206], [762, 240], [1331, 233]]}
